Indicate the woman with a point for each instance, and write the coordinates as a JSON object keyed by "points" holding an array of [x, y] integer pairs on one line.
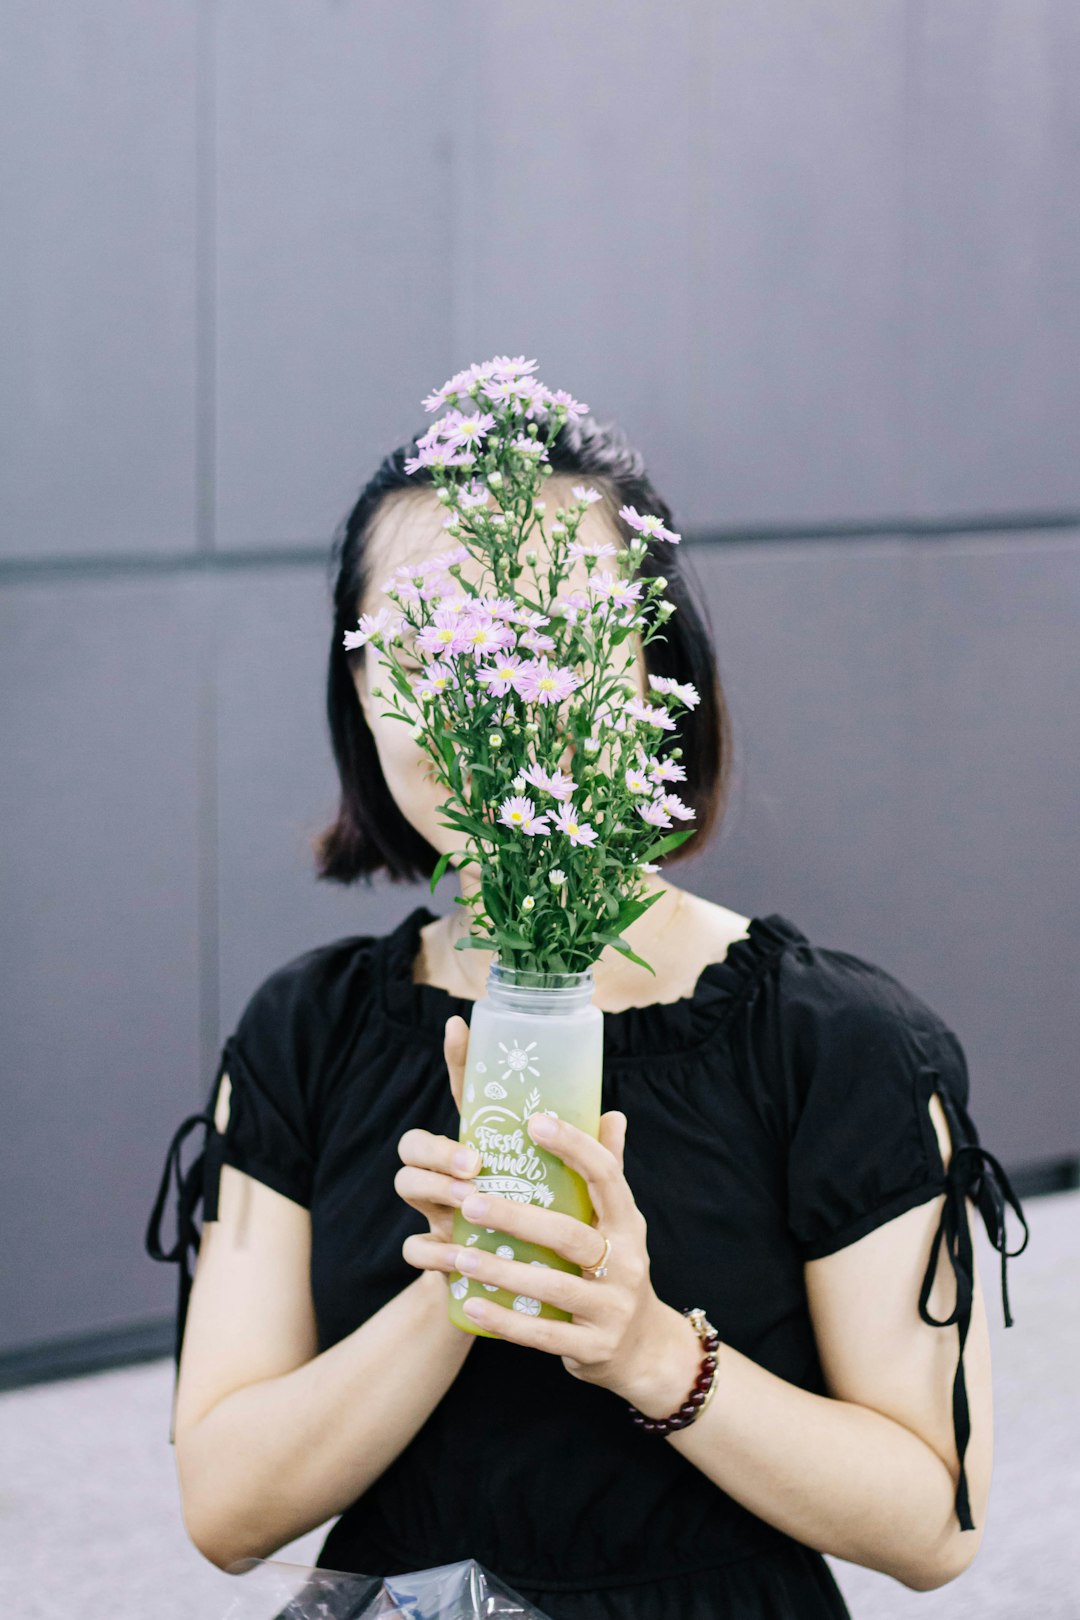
{"points": [[785, 1143]]}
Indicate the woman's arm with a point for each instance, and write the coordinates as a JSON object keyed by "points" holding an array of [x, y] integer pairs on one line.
{"points": [[273, 1439], [867, 1473]]}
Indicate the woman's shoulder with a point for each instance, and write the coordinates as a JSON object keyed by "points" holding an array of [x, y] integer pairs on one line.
{"points": [[304, 1001]]}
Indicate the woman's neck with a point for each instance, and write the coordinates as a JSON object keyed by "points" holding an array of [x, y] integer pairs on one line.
{"points": [[672, 943]]}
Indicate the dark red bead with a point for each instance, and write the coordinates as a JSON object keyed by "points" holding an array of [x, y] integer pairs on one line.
{"points": [[649, 1425], [709, 1362], [711, 1342], [703, 1380], [687, 1409], [696, 1398]]}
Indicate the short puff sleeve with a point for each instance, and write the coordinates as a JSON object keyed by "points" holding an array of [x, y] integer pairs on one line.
{"points": [[258, 1114], [862, 1056]]}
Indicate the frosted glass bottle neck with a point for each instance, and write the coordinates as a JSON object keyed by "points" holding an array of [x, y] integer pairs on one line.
{"points": [[543, 994]]}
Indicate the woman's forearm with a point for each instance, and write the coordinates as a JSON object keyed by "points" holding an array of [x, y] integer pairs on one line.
{"points": [[277, 1458], [836, 1476]]}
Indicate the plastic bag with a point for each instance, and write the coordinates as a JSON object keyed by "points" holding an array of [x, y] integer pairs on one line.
{"points": [[273, 1590]]}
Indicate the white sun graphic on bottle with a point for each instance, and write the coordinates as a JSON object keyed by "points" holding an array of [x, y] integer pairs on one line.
{"points": [[518, 1060]]}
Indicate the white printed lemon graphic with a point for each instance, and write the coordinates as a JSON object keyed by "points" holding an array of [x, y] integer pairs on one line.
{"points": [[494, 1090], [505, 1252], [460, 1288], [523, 1303]]}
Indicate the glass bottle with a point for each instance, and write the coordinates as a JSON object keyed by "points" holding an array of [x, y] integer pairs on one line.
{"points": [[536, 1045]]}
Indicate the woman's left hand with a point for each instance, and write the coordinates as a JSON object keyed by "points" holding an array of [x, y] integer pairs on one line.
{"points": [[619, 1325]]}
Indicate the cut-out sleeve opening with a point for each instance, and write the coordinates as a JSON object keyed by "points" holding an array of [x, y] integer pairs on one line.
{"points": [[973, 1172]]}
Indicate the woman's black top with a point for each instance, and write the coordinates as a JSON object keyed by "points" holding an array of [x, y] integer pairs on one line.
{"points": [[775, 1115]]}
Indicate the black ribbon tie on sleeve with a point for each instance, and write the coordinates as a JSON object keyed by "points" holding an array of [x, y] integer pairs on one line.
{"points": [[975, 1173], [198, 1183]]}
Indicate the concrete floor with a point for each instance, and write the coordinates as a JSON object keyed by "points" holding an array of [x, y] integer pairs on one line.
{"points": [[90, 1522]]}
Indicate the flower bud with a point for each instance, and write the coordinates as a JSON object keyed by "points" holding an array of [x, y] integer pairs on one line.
{"points": [[495, 479], [495, 739], [528, 903]]}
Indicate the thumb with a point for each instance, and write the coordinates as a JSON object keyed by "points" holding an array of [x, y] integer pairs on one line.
{"points": [[613, 1133], [455, 1051]]}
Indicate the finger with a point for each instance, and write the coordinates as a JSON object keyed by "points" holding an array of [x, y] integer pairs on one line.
{"points": [[431, 1152], [576, 1241], [528, 1280], [455, 1051], [596, 1164], [539, 1332], [613, 1133], [427, 1253], [427, 1189]]}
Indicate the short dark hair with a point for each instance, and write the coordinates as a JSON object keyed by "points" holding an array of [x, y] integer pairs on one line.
{"points": [[369, 833]]}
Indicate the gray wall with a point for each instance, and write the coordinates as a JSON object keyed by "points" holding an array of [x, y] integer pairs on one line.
{"points": [[821, 261]]}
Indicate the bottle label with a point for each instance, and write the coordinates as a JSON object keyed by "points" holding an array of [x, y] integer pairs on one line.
{"points": [[512, 1165]]}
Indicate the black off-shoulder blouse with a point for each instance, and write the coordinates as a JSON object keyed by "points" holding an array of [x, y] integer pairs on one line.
{"points": [[778, 1113]]}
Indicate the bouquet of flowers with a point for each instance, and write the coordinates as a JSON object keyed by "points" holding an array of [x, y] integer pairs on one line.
{"points": [[555, 768]]}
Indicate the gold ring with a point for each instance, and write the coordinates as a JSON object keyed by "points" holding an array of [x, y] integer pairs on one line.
{"points": [[600, 1268]]}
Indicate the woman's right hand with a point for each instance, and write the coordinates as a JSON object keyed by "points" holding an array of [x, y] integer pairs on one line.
{"points": [[429, 1180]]}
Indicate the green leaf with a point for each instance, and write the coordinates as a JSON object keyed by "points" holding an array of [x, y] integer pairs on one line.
{"points": [[621, 945], [672, 841], [440, 867], [469, 824]]}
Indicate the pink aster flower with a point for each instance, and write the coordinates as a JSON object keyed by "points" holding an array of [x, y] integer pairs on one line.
{"points": [[520, 813], [557, 783], [437, 455], [581, 493], [607, 587], [483, 634], [498, 676], [574, 407], [438, 677], [637, 782], [666, 770], [651, 527], [538, 681], [536, 641], [370, 624], [594, 548], [683, 690], [470, 430], [578, 832], [654, 813], [674, 806], [447, 633], [650, 713], [572, 606]]}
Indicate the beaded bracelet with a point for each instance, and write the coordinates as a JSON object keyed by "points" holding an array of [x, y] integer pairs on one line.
{"points": [[704, 1384]]}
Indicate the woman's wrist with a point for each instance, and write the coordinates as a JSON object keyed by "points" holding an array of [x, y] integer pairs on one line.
{"points": [[433, 1288], [669, 1362]]}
